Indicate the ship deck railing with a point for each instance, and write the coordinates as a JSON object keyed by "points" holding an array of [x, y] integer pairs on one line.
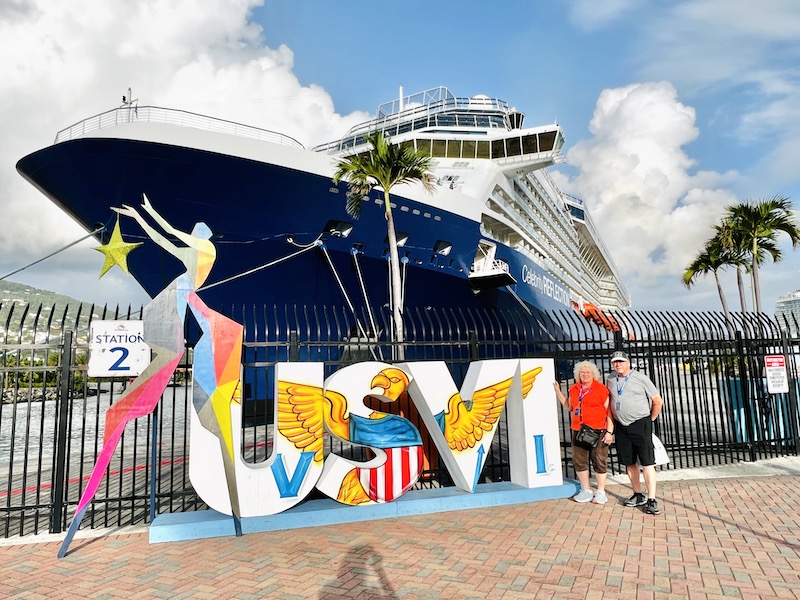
{"points": [[155, 114], [423, 116]]}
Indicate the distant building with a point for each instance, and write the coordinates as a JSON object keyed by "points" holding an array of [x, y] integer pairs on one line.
{"points": [[787, 312]]}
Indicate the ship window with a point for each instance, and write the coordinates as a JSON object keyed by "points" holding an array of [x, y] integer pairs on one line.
{"points": [[498, 149], [468, 149], [547, 141], [442, 247], [404, 208], [446, 120], [454, 149], [439, 148], [466, 120], [437, 218], [424, 146], [426, 215], [483, 150], [404, 128], [483, 121], [415, 211], [401, 238], [529, 145], [338, 228], [513, 146]]}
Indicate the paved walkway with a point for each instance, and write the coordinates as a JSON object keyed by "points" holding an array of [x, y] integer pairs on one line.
{"points": [[730, 537]]}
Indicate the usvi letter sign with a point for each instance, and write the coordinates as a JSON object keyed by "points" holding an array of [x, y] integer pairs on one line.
{"points": [[462, 423]]}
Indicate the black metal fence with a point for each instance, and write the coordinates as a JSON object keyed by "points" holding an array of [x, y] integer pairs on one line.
{"points": [[711, 373]]}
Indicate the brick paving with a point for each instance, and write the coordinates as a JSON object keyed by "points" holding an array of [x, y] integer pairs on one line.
{"points": [[715, 538]]}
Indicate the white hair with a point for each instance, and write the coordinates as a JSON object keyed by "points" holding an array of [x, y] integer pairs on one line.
{"points": [[592, 367]]}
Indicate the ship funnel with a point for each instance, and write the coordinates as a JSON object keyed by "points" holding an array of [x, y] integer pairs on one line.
{"points": [[515, 119]]}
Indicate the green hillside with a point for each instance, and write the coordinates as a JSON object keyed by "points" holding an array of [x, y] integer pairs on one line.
{"points": [[18, 301]]}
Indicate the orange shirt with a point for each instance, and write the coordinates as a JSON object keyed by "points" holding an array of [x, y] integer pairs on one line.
{"points": [[593, 405]]}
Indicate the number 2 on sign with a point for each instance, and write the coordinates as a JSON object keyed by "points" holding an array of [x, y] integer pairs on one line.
{"points": [[117, 366]]}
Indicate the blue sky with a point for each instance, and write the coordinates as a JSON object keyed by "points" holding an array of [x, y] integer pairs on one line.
{"points": [[672, 110]]}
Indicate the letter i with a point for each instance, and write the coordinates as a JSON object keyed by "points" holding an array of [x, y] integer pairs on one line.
{"points": [[541, 462]]}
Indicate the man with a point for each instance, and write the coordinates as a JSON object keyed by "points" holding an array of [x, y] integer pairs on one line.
{"points": [[635, 404]]}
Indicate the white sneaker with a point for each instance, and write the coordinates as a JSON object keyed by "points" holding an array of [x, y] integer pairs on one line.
{"points": [[583, 496], [600, 497]]}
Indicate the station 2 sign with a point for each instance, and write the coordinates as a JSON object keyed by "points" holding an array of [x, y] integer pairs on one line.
{"points": [[117, 349]]}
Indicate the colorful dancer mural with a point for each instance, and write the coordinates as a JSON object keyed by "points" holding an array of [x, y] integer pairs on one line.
{"points": [[217, 356]]}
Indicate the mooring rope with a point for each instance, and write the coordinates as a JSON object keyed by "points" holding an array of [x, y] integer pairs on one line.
{"points": [[361, 329], [367, 303], [272, 263], [36, 262]]}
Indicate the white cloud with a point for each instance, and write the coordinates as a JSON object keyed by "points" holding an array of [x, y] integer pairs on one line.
{"points": [[637, 181], [65, 61]]}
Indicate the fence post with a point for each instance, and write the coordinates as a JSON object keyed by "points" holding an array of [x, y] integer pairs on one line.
{"points": [[473, 345], [294, 346], [62, 410], [792, 390], [617, 339], [744, 379]]}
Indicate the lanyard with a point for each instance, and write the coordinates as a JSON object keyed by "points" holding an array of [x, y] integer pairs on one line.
{"points": [[621, 388], [581, 393]]}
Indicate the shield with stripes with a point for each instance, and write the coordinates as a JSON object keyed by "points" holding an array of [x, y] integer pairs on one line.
{"points": [[394, 477]]}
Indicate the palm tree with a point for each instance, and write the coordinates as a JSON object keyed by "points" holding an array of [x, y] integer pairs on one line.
{"points": [[711, 259], [735, 254], [757, 225], [384, 165]]}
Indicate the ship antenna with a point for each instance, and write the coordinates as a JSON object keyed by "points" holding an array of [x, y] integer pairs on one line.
{"points": [[132, 104]]}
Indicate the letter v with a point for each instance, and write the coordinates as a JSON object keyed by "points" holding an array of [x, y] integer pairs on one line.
{"points": [[290, 488]]}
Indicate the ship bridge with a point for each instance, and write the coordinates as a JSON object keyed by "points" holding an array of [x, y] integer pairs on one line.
{"points": [[442, 126]]}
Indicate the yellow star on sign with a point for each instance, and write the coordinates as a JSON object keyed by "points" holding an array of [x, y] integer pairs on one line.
{"points": [[116, 251]]}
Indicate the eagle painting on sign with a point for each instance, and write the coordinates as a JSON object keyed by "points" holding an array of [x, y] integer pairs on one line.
{"points": [[462, 422]]}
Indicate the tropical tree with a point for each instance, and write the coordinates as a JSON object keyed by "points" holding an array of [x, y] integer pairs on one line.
{"points": [[384, 165], [711, 259], [757, 225], [735, 255]]}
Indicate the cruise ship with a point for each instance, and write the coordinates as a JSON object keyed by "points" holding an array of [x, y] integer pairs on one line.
{"points": [[496, 232]]}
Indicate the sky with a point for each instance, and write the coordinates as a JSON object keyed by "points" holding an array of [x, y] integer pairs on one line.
{"points": [[671, 110]]}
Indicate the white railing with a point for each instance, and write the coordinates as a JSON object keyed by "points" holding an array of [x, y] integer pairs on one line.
{"points": [[154, 114]]}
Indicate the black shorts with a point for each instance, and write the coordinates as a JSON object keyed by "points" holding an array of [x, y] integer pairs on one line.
{"points": [[635, 442]]}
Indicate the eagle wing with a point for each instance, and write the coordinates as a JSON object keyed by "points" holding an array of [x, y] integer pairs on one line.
{"points": [[301, 415], [351, 491], [465, 424]]}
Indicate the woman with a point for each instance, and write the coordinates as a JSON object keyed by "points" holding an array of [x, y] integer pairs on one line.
{"points": [[588, 404]]}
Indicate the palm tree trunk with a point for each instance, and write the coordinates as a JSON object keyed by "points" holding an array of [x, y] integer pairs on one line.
{"points": [[725, 309], [754, 274], [397, 291], [740, 283]]}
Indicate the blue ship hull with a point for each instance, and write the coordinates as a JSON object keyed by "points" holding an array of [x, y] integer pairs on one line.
{"points": [[254, 208]]}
